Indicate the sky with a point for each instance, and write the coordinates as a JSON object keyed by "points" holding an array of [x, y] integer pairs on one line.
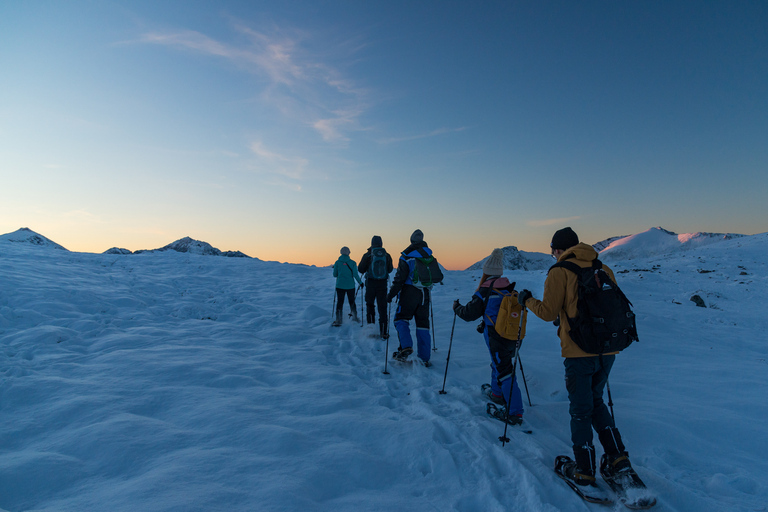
{"points": [[287, 130]]}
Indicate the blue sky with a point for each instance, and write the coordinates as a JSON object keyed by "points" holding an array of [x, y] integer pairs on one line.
{"points": [[289, 129]]}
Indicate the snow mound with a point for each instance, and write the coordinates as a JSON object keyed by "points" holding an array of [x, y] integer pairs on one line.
{"points": [[26, 235]]}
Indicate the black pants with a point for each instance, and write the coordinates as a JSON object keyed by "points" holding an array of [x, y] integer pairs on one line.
{"points": [[350, 294], [376, 298]]}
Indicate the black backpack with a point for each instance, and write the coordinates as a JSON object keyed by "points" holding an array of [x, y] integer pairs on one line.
{"points": [[426, 271], [605, 322], [378, 268]]}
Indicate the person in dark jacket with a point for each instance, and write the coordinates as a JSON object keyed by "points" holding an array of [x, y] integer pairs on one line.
{"points": [[413, 302], [485, 303], [585, 374], [376, 264]]}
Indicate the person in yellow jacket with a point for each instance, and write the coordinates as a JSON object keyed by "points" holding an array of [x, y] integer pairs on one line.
{"points": [[585, 374]]}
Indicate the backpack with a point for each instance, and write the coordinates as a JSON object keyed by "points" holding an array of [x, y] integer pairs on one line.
{"points": [[511, 319], [605, 322], [378, 268], [426, 271]]}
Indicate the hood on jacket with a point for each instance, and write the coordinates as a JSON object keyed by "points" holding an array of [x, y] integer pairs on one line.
{"points": [[581, 251]]}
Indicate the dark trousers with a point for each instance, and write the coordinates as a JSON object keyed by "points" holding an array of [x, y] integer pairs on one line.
{"points": [[350, 294], [376, 298], [585, 380]]}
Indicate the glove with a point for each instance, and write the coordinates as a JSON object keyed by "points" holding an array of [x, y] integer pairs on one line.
{"points": [[524, 296], [456, 304], [390, 297]]}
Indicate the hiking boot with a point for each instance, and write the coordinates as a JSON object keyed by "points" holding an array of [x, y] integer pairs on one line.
{"points": [[401, 354], [611, 466], [493, 397], [583, 471], [569, 469]]}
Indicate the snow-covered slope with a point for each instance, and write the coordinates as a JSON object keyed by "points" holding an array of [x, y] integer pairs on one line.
{"points": [[520, 260], [658, 242], [177, 382]]}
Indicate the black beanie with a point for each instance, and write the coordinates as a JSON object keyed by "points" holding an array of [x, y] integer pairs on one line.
{"points": [[564, 239], [417, 237], [376, 241]]}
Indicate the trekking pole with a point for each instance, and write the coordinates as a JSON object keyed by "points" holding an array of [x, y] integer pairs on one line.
{"points": [[448, 359], [362, 306], [432, 315], [608, 387], [610, 400], [504, 439], [386, 350], [522, 373], [333, 308]]}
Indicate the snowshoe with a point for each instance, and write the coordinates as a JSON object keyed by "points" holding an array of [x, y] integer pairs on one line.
{"points": [[500, 413], [588, 489], [625, 482], [402, 353], [488, 394]]}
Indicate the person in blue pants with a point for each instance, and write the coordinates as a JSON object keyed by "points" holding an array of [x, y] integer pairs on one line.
{"points": [[485, 303], [413, 302]]}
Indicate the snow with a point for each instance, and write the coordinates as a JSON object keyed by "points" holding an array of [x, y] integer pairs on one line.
{"points": [[179, 382], [657, 241]]}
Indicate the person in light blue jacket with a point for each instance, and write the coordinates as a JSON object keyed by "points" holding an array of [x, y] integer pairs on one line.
{"points": [[345, 272]]}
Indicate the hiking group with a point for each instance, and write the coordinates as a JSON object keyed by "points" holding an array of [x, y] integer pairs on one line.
{"points": [[594, 322]]}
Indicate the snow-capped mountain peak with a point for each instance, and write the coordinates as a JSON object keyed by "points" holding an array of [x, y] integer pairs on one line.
{"points": [[26, 235]]}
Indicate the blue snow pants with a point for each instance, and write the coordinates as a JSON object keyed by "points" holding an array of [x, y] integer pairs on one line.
{"points": [[502, 382]]}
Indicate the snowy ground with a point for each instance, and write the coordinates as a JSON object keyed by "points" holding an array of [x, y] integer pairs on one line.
{"points": [[180, 382]]}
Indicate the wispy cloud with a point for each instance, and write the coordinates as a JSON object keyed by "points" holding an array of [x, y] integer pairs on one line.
{"points": [[291, 167], [433, 133], [310, 91], [551, 222]]}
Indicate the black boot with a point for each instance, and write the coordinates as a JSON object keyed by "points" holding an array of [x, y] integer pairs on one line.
{"points": [[383, 330], [583, 472], [616, 459], [337, 322]]}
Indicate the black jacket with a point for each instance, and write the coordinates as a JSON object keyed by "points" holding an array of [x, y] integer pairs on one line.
{"points": [[365, 263]]}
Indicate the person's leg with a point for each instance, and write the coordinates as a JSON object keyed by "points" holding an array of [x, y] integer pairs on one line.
{"points": [[578, 382], [503, 355], [370, 298], [423, 337]]}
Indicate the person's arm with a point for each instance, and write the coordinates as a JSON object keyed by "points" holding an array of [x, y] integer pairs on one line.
{"points": [[401, 276], [553, 301], [472, 311]]}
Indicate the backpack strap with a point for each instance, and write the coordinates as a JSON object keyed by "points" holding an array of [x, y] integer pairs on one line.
{"points": [[596, 265]]}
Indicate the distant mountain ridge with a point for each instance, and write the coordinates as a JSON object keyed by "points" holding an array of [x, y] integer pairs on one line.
{"points": [[519, 260], [186, 244]]}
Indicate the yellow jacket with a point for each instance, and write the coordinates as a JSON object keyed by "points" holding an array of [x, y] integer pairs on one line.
{"points": [[561, 295]]}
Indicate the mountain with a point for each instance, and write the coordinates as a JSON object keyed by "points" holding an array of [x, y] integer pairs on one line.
{"points": [[191, 246], [599, 246], [658, 242], [26, 235], [519, 260]]}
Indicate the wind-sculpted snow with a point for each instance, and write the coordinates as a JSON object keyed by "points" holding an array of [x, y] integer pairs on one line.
{"points": [[177, 382]]}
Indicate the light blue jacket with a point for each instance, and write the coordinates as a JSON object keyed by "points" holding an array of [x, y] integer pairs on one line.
{"points": [[345, 272]]}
